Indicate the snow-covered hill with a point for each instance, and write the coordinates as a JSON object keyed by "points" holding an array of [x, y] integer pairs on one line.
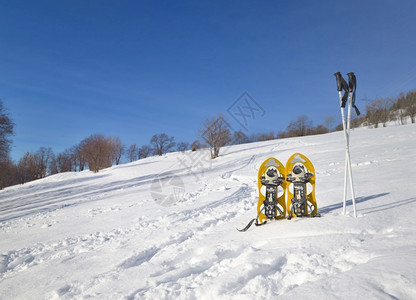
{"points": [[165, 227]]}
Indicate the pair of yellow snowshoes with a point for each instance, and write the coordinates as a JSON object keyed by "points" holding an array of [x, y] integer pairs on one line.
{"points": [[285, 191]]}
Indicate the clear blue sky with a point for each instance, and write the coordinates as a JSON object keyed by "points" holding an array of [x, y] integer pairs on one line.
{"points": [[131, 69]]}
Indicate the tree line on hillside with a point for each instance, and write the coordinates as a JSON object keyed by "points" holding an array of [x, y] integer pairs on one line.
{"points": [[98, 152], [95, 152], [383, 110]]}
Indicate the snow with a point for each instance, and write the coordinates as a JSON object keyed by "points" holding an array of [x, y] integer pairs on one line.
{"points": [[114, 234]]}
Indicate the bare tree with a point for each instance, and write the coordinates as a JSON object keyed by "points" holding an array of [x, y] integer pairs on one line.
{"points": [[239, 137], [216, 134], [356, 121], [53, 166], [266, 137], [98, 152], [378, 111], [320, 129], [162, 143], [254, 137], [65, 161], [132, 153], [8, 174], [300, 127], [182, 146], [282, 134], [27, 168], [78, 158], [411, 105], [196, 145], [145, 151], [43, 158], [6, 130], [34, 166], [118, 149], [399, 109], [329, 122]]}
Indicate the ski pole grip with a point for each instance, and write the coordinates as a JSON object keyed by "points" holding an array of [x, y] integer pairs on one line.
{"points": [[352, 82], [339, 85]]}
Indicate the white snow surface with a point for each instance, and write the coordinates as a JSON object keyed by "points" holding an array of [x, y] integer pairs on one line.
{"points": [[107, 236]]}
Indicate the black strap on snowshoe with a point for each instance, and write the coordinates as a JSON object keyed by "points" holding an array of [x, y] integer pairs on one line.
{"points": [[247, 227], [311, 208], [352, 87], [251, 223]]}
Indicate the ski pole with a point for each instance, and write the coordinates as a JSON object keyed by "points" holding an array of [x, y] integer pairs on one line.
{"points": [[351, 92], [342, 85], [349, 89], [346, 169]]}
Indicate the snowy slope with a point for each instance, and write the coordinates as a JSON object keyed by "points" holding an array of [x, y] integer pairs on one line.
{"points": [[113, 235]]}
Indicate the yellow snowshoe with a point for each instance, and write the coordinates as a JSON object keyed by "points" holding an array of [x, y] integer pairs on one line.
{"points": [[300, 187], [272, 187]]}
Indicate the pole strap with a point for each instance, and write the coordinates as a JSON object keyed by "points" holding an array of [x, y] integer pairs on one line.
{"points": [[352, 87]]}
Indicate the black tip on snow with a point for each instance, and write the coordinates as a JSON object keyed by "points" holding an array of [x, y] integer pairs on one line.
{"points": [[247, 227]]}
